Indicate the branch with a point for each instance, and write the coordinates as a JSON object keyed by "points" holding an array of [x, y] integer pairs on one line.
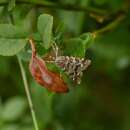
{"points": [[110, 26], [53, 5], [28, 94]]}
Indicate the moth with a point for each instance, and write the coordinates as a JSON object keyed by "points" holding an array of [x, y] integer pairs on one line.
{"points": [[73, 66], [46, 78]]}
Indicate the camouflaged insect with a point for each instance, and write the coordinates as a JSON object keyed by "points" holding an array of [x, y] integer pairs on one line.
{"points": [[73, 66]]}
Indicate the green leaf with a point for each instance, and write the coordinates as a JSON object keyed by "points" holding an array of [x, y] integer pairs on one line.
{"points": [[10, 47], [14, 108], [11, 31], [87, 38], [11, 5], [77, 46], [74, 47], [45, 25]]}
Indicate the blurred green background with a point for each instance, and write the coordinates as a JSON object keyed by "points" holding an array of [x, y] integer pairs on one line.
{"points": [[102, 101]]}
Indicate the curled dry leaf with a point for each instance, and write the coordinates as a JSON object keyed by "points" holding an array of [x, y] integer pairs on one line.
{"points": [[48, 79]]}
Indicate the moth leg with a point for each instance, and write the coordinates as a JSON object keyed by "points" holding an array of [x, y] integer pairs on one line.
{"points": [[49, 61]]}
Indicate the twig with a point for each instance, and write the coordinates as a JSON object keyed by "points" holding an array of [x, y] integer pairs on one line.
{"points": [[110, 26], [28, 94], [52, 5]]}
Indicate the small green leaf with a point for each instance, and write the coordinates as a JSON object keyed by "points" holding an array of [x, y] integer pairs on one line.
{"points": [[14, 108], [77, 46], [10, 47], [87, 39], [45, 25], [11, 5], [74, 47]]}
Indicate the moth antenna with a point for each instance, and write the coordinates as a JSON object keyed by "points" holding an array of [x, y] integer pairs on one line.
{"points": [[55, 49]]}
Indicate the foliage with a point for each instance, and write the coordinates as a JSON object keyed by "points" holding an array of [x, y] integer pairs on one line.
{"points": [[45, 24], [94, 29]]}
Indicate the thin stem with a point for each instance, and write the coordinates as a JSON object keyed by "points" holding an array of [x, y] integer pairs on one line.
{"points": [[28, 94], [52, 5], [110, 26]]}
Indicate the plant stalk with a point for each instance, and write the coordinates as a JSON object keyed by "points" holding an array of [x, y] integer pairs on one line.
{"points": [[110, 26], [26, 87], [54, 5]]}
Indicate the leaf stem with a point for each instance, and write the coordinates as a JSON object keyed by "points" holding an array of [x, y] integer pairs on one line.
{"points": [[54, 5], [110, 26], [28, 94]]}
